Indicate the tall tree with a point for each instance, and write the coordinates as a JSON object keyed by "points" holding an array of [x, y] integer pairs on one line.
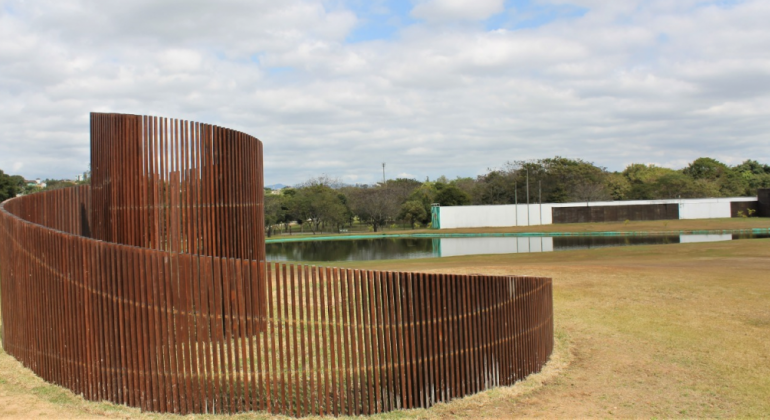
{"points": [[401, 188], [706, 168], [728, 181], [469, 186], [450, 195], [413, 212], [643, 179], [755, 174], [617, 185], [560, 180], [375, 206], [496, 187], [317, 203], [274, 211], [423, 196]]}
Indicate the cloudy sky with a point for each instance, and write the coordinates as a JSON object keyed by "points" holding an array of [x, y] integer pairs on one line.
{"points": [[429, 87]]}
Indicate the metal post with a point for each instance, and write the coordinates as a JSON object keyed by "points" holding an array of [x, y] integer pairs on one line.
{"points": [[540, 199], [527, 185], [515, 193], [528, 223], [516, 200]]}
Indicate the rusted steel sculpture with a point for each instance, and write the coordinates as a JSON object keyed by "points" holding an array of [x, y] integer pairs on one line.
{"points": [[149, 288]]}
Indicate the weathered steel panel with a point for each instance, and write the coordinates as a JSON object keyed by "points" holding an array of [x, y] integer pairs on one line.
{"points": [[598, 214]]}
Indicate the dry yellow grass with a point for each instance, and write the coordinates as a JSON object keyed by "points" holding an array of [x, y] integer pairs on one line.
{"points": [[650, 331]]}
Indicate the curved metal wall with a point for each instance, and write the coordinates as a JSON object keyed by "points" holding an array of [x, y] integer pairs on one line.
{"points": [[172, 308], [176, 185]]}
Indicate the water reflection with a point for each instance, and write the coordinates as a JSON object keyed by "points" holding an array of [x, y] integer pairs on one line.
{"points": [[356, 250], [406, 248]]}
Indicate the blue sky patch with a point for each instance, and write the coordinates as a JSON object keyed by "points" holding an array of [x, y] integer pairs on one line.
{"points": [[275, 71], [383, 20], [527, 14], [724, 4], [9, 10], [380, 20]]}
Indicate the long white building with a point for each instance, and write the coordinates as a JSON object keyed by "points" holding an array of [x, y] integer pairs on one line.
{"points": [[549, 213]]}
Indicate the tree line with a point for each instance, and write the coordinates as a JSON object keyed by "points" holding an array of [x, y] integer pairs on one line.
{"points": [[325, 204]]}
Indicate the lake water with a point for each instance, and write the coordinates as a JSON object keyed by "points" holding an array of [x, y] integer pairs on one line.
{"points": [[406, 248]]}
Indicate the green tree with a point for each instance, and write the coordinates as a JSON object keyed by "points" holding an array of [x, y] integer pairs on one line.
{"points": [[728, 182], [318, 204], [469, 186], [274, 211], [559, 180], [754, 174], [753, 167], [450, 195], [705, 168], [617, 186], [413, 212], [733, 184], [295, 207], [496, 187], [679, 185], [9, 186], [577, 179], [643, 180], [424, 195], [639, 173]]}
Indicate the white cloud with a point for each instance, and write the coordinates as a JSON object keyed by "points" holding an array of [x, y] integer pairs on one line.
{"points": [[457, 10], [180, 61], [630, 81]]}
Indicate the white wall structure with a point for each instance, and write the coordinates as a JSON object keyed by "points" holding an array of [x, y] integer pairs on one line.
{"points": [[541, 214], [704, 210], [494, 216]]}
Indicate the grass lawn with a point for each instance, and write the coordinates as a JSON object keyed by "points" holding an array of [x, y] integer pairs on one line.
{"points": [[645, 331]]}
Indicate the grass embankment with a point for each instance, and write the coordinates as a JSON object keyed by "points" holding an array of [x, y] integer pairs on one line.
{"points": [[655, 226], [646, 331]]}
